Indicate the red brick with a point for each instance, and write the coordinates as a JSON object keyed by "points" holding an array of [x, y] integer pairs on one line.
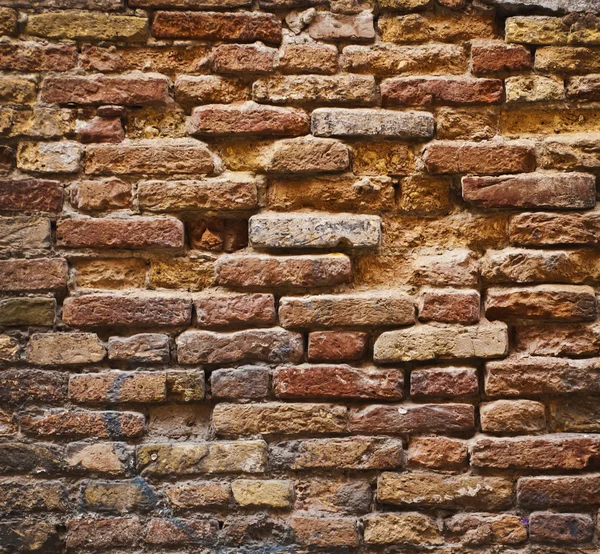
{"points": [[449, 306], [35, 56], [333, 26], [116, 310], [83, 423], [551, 491], [246, 382], [43, 274], [243, 58], [118, 387], [103, 533], [423, 91], [107, 194], [531, 190], [136, 232], [560, 528], [100, 129], [584, 89], [100, 89], [495, 56], [30, 195], [479, 157], [338, 381], [142, 348], [437, 453], [337, 346], [211, 26], [325, 532], [32, 385], [573, 340], [181, 532], [542, 302], [235, 309], [263, 271], [412, 418], [536, 229], [444, 382], [248, 119]]}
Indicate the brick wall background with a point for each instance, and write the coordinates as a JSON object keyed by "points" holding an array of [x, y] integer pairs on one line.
{"points": [[286, 275]]}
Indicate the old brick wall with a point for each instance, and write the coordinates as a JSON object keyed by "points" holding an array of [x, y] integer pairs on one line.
{"points": [[293, 275]]}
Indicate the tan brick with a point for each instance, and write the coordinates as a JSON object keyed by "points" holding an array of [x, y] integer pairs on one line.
{"points": [[270, 494], [65, 349]]}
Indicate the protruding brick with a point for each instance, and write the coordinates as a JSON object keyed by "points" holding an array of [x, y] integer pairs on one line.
{"points": [[499, 57], [243, 383], [135, 232], [532, 190], [479, 157], [36, 275], [512, 416], [263, 271], [214, 310], [412, 418], [560, 528], [234, 420], [379, 309], [437, 453], [248, 118], [133, 90], [330, 26], [83, 423], [435, 490], [155, 157], [337, 346], [406, 528], [328, 122], [265, 345], [314, 231], [118, 387], [427, 342], [340, 381], [113, 310], [542, 302], [444, 382], [65, 349], [449, 306], [555, 491], [216, 26]]}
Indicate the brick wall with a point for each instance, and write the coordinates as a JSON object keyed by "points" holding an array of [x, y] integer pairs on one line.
{"points": [[294, 275]]}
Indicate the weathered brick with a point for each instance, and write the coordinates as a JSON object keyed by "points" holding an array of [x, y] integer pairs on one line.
{"points": [[437, 453], [567, 60], [330, 90], [483, 157], [412, 418], [584, 89], [265, 345], [468, 123], [311, 231], [357, 453], [560, 528], [106, 194], [36, 275], [243, 58], [327, 122], [218, 235], [427, 342], [449, 306], [24, 536], [34, 56], [17, 90], [532, 119], [245, 382], [65, 349], [50, 157], [83, 423], [103, 532], [308, 58], [8, 21], [185, 386], [535, 229], [496, 57], [582, 340], [388, 59], [118, 496], [545, 492], [334, 495], [214, 26], [142, 348], [331, 26], [10, 350], [382, 158], [380, 309], [118, 387], [577, 151], [435, 490], [234, 309], [337, 346], [248, 118], [200, 494], [512, 416], [30, 458], [194, 274], [526, 376], [452, 267], [113, 310], [88, 26], [534, 88], [270, 494], [120, 233], [307, 155], [233, 420], [19, 385], [478, 529], [542, 302], [191, 90], [202, 457], [100, 89], [325, 532], [230, 192], [27, 311], [100, 129], [158, 157], [263, 271], [337, 381], [174, 531], [112, 458], [124, 273], [444, 382], [407, 528], [39, 496], [536, 30], [413, 91], [578, 414], [540, 452]]}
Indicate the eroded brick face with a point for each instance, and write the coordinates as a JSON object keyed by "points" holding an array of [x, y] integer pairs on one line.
{"points": [[299, 276]]}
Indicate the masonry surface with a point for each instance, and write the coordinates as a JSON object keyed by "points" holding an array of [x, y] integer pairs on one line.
{"points": [[285, 276]]}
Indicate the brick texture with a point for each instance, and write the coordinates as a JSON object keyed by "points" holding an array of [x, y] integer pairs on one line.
{"points": [[299, 276]]}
